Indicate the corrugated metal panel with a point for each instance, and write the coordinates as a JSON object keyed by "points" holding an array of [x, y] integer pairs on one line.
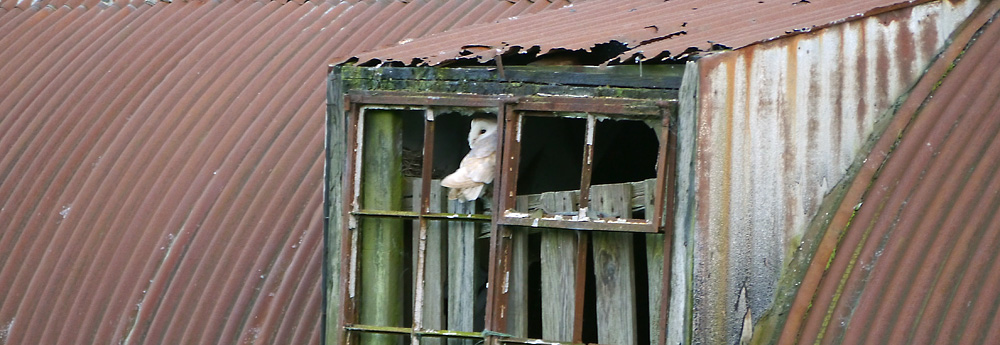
{"points": [[161, 171], [655, 29], [916, 236], [779, 126]]}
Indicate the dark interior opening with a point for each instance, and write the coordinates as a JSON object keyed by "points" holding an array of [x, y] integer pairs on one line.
{"points": [[624, 151], [551, 154]]}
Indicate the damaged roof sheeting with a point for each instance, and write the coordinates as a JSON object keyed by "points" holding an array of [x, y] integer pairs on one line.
{"points": [[911, 255], [649, 29], [162, 164]]}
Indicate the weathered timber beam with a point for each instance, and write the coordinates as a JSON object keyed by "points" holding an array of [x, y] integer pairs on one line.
{"points": [[382, 238]]}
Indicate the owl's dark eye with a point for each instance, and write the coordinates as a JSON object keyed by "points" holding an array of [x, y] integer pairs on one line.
{"points": [[482, 131]]}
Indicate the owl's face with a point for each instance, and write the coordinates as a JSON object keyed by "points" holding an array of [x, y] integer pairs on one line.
{"points": [[481, 128]]}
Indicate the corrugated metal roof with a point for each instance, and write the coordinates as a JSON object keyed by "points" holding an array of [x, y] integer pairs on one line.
{"points": [[654, 29], [916, 236], [161, 166]]}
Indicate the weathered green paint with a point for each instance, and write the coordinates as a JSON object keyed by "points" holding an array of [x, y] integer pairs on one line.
{"points": [[451, 216], [649, 76], [406, 330], [381, 257]]}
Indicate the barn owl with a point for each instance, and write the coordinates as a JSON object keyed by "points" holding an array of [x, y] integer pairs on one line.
{"points": [[477, 168]]}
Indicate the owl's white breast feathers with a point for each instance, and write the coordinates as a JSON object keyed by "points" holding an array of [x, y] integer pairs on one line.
{"points": [[477, 168]]}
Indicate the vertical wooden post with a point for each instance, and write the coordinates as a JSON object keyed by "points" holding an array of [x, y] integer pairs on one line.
{"points": [[614, 268], [559, 268], [654, 266], [381, 238], [461, 272], [434, 261], [517, 299]]}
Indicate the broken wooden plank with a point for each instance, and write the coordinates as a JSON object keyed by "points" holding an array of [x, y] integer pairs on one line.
{"points": [[636, 200], [461, 272], [654, 268], [433, 313], [559, 268], [614, 269], [517, 296]]}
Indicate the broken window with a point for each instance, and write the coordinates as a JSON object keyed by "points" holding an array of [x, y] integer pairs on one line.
{"points": [[582, 163], [557, 243]]}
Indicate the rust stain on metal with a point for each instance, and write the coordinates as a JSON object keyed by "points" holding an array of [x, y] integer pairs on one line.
{"points": [[161, 164], [780, 124], [920, 215]]}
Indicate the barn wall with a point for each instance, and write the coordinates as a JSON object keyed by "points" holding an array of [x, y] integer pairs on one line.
{"points": [[780, 125]]}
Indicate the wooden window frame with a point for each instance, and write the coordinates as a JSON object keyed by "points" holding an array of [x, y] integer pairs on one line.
{"points": [[510, 112]]}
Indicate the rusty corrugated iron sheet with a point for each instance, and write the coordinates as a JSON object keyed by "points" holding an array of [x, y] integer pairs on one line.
{"points": [[916, 236], [161, 164], [651, 29], [779, 126]]}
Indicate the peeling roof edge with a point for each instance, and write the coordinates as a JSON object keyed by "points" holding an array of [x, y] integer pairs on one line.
{"points": [[667, 55], [873, 12], [633, 53]]}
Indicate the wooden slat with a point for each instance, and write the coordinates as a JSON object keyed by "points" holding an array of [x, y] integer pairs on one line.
{"points": [[461, 272], [517, 298], [614, 269], [637, 200], [558, 260], [654, 267], [434, 260]]}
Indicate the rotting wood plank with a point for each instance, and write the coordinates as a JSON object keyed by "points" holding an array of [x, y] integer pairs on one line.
{"points": [[637, 200], [434, 260], [655, 76], [559, 266], [461, 271], [497, 88], [614, 269], [382, 238], [531, 202], [654, 266], [517, 298]]}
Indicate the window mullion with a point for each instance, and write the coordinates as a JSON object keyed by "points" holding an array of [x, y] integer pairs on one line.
{"points": [[588, 166], [425, 191], [349, 237]]}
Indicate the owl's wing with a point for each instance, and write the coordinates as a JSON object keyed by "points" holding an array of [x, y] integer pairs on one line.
{"points": [[459, 179], [470, 193], [485, 146], [471, 172], [480, 169]]}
